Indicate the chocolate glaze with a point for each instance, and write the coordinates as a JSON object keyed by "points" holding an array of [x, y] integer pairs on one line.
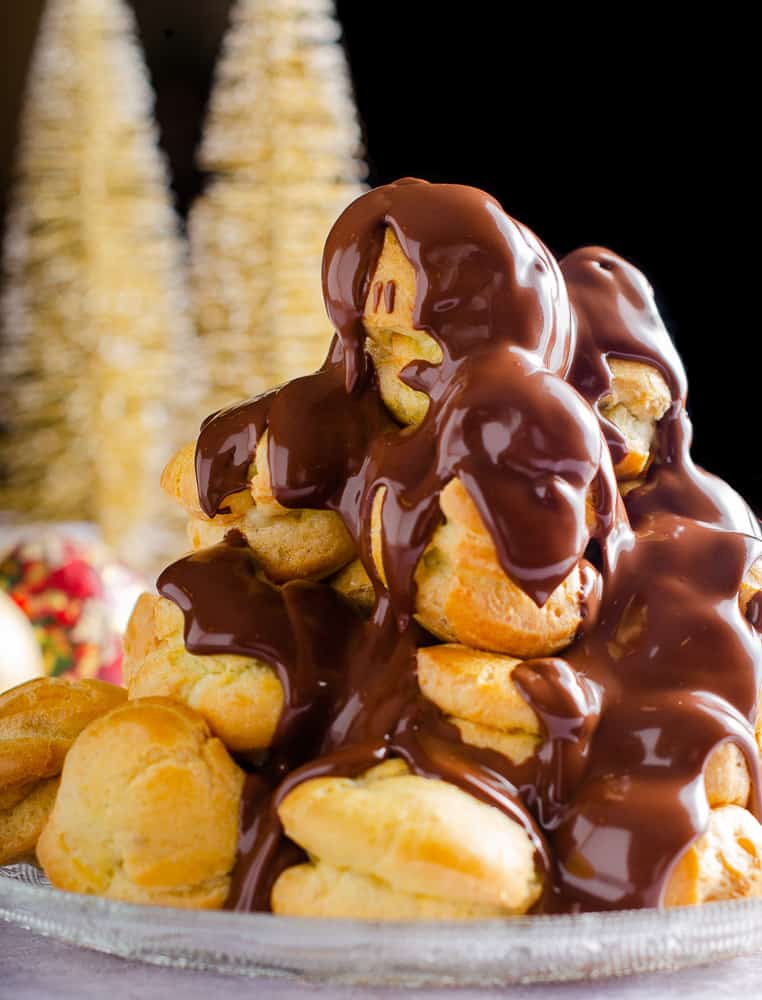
{"points": [[519, 437], [616, 316], [678, 671], [300, 629], [676, 484], [483, 279], [429, 745], [666, 667], [229, 445]]}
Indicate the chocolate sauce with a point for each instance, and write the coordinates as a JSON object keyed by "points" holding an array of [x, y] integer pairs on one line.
{"points": [[501, 417], [300, 629], [390, 291], [483, 280], [675, 483], [665, 668], [226, 447], [678, 671], [617, 317]]}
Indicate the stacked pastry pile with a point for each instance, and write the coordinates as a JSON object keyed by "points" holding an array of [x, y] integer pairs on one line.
{"points": [[464, 633]]}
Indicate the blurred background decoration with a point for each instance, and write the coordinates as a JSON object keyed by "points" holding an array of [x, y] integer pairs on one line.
{"points": [[64, 605], [106, 365], [20, 655], [282, 144], [97, 367]]}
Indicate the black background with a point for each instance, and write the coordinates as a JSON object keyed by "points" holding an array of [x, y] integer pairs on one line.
{"points": [[592, 126]]}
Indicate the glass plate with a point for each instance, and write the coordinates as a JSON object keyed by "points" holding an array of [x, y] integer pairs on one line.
{"points": [[475, 953]]}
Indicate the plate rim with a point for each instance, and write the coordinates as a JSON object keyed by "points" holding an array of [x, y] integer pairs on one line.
{"points": [[492, 952]]}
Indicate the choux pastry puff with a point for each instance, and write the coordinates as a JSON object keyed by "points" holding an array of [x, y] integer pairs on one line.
{"points": [[39, 722], [389, 845], [147, 809]]}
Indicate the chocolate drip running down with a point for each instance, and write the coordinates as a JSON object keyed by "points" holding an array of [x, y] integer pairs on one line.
{"points": [[667, 666], [617, 317]]}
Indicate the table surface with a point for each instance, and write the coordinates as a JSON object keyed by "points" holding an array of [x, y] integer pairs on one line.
{"points": [[35, 968]]}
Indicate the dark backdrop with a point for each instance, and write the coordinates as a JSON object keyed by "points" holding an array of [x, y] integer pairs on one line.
{"points": [[621, 129]]}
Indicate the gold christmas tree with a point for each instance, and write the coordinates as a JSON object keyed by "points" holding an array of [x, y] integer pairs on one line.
{"points": [[96, 330], [282, 141]]}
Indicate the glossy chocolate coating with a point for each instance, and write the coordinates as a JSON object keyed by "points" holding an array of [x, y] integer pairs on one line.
{"points": [[666, 666]]}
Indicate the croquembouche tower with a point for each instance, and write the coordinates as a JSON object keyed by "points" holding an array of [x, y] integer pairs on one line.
{"points": [[480, 634]]}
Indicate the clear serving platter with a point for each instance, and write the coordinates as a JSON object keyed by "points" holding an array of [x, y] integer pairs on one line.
{"points": [[480, 953]]}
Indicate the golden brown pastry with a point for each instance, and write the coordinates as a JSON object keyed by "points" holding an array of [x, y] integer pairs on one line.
{"points": [[639, 398], [322, 890], [147, 810], [393, 342], [289, 544], [475, 691], [725, 862], [39, 721], [726, 776], [23, 813], [240, 698], [406, 847], [464, 596]]}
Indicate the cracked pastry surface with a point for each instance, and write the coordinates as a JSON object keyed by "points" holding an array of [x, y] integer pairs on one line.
{"points": [[239, 697], [23, 814], [39, 722], [405, 846], [462, 593], [322, 890], [147, 810], [726, 777]]}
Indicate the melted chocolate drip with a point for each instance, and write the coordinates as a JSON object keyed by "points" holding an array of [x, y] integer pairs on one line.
{"points": [[617, 317], [669, 625], [483, 279], [501, 417], [226, 447], [300, 629], [676, 484], [390, 292], [665, 667]]}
